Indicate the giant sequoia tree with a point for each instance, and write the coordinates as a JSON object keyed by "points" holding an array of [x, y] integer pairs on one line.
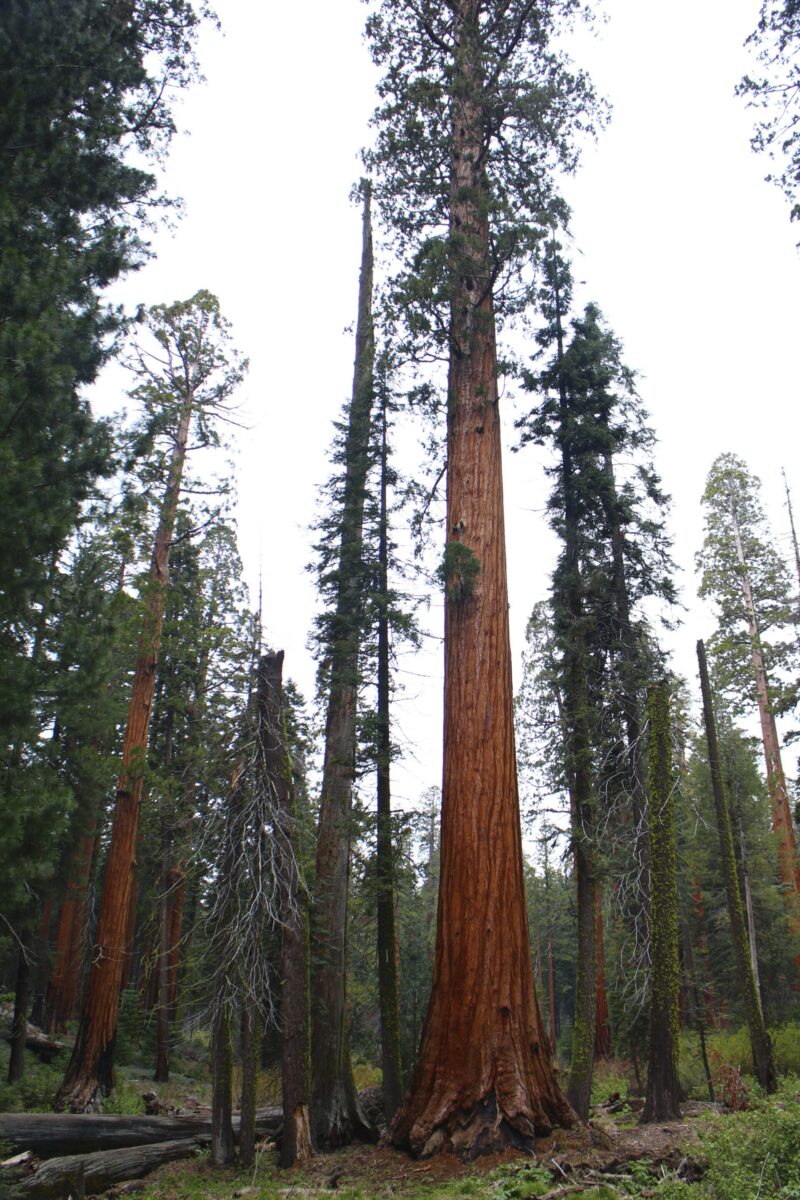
{"points": [[477, 109]]}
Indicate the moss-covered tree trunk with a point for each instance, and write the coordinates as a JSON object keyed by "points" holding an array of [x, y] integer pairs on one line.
{"points": [[336, 1113], [662, 1101], [484, 1076], [759, 1038], [295, 1003]]}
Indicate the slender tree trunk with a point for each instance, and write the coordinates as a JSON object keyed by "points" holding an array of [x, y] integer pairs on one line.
{"points": [[759, 1038], [19, 1025], [578, 750], [161, 1073], [776, 780], [91, 1068], [388, 983], [251, 1031], [484, 1077], [662, 1102], [747, 896], [336, 1112], [297, 1142], [696, 1005], [222, 1151], [795, 547], [602, 1032]]}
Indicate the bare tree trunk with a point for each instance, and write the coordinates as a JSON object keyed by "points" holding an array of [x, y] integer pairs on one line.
{"points": [[388, 982], [759, 1038], [297, 1142], [336, 1113], [662, 1102], [91, 1068], [484, 1077]]}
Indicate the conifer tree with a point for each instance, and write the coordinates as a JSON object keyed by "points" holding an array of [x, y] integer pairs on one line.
{"points": [[759, 1037], [184, 384], [477, 107], [86, 88], [748, 581], [336, 1112]]}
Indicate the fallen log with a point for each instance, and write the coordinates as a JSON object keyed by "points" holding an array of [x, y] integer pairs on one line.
{"points": [[50, 1134], [59, 1177], [35, 1038]]}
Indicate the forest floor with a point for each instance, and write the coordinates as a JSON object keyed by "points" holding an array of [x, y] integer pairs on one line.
{"points": [[614, 1157]]}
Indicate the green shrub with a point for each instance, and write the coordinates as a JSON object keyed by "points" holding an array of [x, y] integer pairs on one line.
{"points": [[754, 1154]]}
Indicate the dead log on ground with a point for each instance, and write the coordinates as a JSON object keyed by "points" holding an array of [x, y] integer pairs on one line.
{"points": [[58, 1176], [50, 1134]]}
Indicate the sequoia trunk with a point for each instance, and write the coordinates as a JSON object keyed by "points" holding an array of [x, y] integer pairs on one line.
{"points": [[484, 1076]]}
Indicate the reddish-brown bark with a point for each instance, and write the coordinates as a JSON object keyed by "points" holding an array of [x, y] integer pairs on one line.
{"points": [[484, 1075], [91, 1068], [63, 989]]}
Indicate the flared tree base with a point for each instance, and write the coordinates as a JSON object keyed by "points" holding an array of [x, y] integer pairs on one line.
{"points": [[485, 1128]]}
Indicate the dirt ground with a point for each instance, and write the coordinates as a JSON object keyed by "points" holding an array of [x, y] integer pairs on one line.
{"points": [[589, 1156]]}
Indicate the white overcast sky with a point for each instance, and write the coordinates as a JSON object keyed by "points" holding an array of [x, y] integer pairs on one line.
{"points": [[688, 251]]}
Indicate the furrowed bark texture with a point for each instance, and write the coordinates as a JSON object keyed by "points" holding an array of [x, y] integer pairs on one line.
{"points": [[662, 1102], [388, 966], [296, 1143], [91, 1068], [484, 1076], [336, 1113], [759, 1038]]}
